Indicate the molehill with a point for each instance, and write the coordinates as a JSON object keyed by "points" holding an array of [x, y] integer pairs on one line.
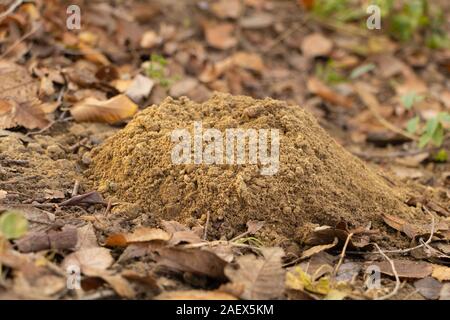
{"points": [[317, 180]]}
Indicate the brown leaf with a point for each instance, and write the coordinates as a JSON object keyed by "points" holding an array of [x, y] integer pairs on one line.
{"points": [[429, 288], [140, 88], [86, 237], [91, 258], [315, 45], [197, 261], [442, 273], [401, 225], [88, 198], [139, 235], [195, 295], [250, 61], [322, 90], [27, 114], [183, 87], [257, 21], [316, 249], [227, 8], [263, 277], [119, 284], [37, 241], [220, 36], [254, 226], [150, 39], [406, 268], [113, 110], [445, 291]]}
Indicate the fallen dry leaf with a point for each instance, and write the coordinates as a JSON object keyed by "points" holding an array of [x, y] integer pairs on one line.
{"points": [[36, 241], [26, 114], [150, 39], [316, 249], [322, 90], [183, 87], [197, 261], [406, 268], [113, 110], [139, 235], [117, 282], [227, 8], [140, 88], [263, 277], [250, 61], [220, 36], [315, 45], [442, 273], [91, 258], [429, 288], [88, 198], [257, 21]]}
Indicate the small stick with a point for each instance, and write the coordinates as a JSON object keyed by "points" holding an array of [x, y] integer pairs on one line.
{"points": [[76, 186], [397, 279], [108, 208], [205, 233], [341, 259], [15, 44], [420, 245], [10, 10]]}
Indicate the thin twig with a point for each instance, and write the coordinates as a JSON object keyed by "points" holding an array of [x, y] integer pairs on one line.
{"points": [[15, 44], [205, 233], [341, 259], [10, 10], [76, 187], [373, 105], [397, 279], [420, 245]]}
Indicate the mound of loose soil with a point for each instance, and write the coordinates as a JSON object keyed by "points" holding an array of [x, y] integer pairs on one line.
{"points": [[317, 181]]}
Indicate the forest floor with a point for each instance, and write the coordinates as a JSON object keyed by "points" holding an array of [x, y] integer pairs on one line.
{"points": [[64, 92]]}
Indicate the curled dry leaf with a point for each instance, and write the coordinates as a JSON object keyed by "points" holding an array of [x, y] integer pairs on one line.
{"points": [[263, 277], [139, 235], [113, 110], [37, 241], [88, 198], [119, 284]]}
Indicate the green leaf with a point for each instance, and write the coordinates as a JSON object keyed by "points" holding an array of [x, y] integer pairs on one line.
{"points": [[441, 156], [431, 126], [438, 135], [357, 72], [444, 116], [13, 225], [413, 124], [409, 99], [424, 140]]}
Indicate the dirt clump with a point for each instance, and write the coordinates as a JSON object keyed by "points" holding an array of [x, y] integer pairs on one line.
{"points": [[316, 181]]}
